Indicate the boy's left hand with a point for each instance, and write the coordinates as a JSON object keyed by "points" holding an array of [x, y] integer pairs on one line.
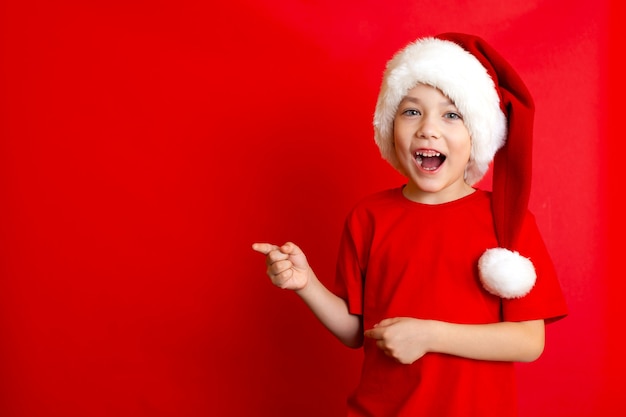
{"points": [[403, 338]]}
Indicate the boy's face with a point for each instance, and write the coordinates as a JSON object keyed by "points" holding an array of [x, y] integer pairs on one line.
{"points": [[433, 146]]}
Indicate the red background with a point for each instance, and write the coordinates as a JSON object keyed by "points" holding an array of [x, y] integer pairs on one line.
{"points": [[146, 144]]}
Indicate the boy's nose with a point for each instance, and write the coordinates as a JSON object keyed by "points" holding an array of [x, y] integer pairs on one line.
{"points": [[428, 128]]}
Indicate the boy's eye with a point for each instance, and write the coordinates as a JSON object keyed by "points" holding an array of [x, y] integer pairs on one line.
{"points": [[453, 115], [411, 112]]}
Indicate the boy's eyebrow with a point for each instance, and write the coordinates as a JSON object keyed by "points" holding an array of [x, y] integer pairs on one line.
{"points": [[417, 100], [411, 99]]}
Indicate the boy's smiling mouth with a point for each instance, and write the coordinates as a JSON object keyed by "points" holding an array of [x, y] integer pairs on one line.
{"points": [[428, 159]]}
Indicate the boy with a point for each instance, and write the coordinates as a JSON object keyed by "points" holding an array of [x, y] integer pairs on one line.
{"points": [[445, 286]]}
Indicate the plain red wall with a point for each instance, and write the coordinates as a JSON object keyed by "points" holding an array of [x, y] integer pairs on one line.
{"points": [[146, 144]]}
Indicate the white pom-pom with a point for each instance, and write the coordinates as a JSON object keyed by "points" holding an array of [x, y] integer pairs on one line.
{"points": [[505, 273]]}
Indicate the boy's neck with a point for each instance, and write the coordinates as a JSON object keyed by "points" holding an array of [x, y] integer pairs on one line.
{"points": [[447, 195]]}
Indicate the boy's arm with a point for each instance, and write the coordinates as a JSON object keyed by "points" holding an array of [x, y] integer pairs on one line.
{"points": [[333, 312], [408, 339], [288, 268]]}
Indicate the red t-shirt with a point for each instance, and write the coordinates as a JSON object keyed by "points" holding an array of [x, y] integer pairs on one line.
{"points": [[398, 258]]}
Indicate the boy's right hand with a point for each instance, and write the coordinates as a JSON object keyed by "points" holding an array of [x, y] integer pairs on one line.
{"points": [[287, 266]]}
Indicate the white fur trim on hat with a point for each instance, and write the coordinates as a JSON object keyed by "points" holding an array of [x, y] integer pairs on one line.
{"points": [[505, 273], [461, 77]]}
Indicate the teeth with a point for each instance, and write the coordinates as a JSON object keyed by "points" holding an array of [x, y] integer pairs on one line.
{"points": [[427, 153], [420, 155]]}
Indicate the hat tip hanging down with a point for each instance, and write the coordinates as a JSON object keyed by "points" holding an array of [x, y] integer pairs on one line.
{"points": [[503, 271]]}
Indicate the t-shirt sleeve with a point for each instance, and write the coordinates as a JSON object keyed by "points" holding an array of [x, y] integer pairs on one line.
{"points": [[350, 270], [545, 300]]}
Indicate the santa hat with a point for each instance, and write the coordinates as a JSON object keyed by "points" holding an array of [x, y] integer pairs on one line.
{"points": [[498, 112]]}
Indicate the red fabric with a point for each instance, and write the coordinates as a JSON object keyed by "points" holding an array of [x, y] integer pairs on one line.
{"points": [[398, 258]]}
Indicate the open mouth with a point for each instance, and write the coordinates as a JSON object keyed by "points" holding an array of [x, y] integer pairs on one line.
{"points": [[429, 160]]}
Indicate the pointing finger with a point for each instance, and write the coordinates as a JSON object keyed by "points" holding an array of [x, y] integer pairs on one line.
{"points": [[264, 248]]}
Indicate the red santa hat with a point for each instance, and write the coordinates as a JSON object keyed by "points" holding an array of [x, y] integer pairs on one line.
{"points": [[498, 111]]}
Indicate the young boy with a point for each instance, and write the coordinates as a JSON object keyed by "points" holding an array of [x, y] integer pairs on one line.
{"points": [[445, 286]]}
